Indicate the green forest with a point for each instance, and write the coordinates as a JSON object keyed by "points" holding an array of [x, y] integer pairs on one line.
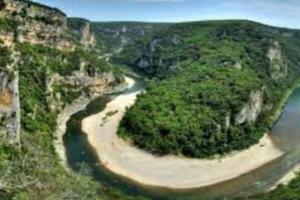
{"points": [[198, 74], [35, 171], [217, 66]]}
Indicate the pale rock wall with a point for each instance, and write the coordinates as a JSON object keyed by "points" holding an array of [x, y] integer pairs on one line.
{"points": [[10, 103], [252, 109], [32, 10], [80, 81], [7, 38], [39, 25], [87, 37], [277, 68], [151, 58]]}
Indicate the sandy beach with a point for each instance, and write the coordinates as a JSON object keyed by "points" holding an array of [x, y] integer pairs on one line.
{"points": [[168, 171]]}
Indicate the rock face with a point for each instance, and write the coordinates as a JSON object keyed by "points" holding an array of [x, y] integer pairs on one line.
{"points": [[10, 103], [43, 34], [152, 59], [19, 8], [7, 38], [82, 29], [83, 84], [277, 68], [116, 37], [87, 37], [252, 109], [42, 25], [38, 24]]}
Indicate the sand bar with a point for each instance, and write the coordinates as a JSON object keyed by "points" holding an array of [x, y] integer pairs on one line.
{"points": [[167, 171]]}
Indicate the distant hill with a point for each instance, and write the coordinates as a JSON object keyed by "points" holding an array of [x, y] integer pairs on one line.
{"points": [[213, 87]]}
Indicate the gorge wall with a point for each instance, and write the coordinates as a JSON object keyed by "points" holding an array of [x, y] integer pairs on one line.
{"points": [[26, 25]]}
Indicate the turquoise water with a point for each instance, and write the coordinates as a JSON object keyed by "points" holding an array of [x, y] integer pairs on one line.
{"points": [[285, 133]]}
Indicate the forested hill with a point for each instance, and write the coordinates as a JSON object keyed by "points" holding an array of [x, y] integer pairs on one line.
{"points": [[219, 85], [213, 88], [215, 84]]}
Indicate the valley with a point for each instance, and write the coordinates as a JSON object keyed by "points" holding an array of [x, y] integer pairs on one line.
{"points": [[153, 109]]}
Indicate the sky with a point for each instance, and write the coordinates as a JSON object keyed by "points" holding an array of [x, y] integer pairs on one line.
{"points": [[284, 13]]}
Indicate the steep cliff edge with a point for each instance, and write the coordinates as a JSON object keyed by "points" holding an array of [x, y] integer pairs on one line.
{"points": [[81, 84], [31, 30], [9, 97], [278, 69], [43, 69], [82, 30], [36, 24], [214, 87]]}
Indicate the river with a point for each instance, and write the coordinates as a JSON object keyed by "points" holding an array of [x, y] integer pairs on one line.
{"points": [[82, 158]]}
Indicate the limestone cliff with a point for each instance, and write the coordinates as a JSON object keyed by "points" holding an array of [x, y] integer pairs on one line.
{"points": [[25, 9], [252, 109], [152, 61], [119, 37], [277, 68], [36, 24], [10, 101], [82, 29], [7, 38], [87, 37], [80, 83]]}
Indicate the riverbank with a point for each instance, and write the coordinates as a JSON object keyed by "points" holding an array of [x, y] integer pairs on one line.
{"points": [[168, 171], [283, 102], [293, 172], [286, 179], [63, 117]]}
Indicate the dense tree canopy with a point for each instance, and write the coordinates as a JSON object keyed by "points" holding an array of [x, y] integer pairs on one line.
{"points": [[206, 73]]}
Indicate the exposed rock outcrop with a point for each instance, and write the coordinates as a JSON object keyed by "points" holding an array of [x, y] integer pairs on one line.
{"points": [[21, 9], [82, 84], [116, 37], [7, 38], [37, 24], [152, 60], [238, 65], [82, 30], [44, 34], [41, 25], [252, 109], [10, 103], [227, 121], [277, 67], [87, 37]]}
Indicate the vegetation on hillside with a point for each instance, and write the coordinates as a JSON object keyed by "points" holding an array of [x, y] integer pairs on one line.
{"points": [[202, 72], [119, 37], [8, 25], [179, 115], [207, 72], [33, 171]]}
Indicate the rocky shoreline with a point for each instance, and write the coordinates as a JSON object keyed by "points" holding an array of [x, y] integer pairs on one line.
{"points": [[63, 117]]}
